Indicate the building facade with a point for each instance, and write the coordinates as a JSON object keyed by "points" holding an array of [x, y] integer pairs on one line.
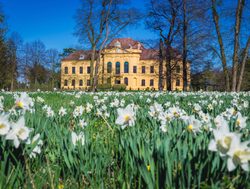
{"points": [[123, 61]]}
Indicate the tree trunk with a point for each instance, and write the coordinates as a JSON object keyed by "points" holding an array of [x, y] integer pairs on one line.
{"points": [[92, 61], [96, 71], [236, 42], [222, 50], [184, 54], [12, 84], [161, 58], [243, 63], [103, 70], [169, 69]]}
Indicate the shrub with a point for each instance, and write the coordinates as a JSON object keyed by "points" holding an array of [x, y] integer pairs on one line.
{"points": [[119, 87], [105, 86]]}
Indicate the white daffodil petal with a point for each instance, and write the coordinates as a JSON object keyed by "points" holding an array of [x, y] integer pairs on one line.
{"points": [[230, 165]]}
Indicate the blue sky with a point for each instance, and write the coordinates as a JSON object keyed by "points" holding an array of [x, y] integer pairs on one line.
{"points": [[52, 21]]}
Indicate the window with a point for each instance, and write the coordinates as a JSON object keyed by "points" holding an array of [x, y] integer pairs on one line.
{"points": [[126, 67], [117, 68], [81, 57], [81, 70], [151, 82], [73, 83], [109, 69], [109, 80], [134, 69], [80, 82], [126, 81], [143, 83], [73, 70], [88, 82], [143, 69], [65, 82], [66, 70], [178, 82], [88, 69], [117, 81], [178, 69], [151, 69]]}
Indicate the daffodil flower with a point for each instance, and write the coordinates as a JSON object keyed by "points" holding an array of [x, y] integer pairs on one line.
{"points": [[126, 116], [239, 155], [19, 132], [223, 139]]}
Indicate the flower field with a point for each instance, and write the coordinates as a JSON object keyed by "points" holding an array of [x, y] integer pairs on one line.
{"points": [[124, 140]]}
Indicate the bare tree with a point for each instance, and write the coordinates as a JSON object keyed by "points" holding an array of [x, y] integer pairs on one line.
{"points": [[183, 26], [34, 61], [184, 50], [221, 44], [161, 60], [163, 17], [53, 61], [243, 64], [236, 45], [194, 37], [99, 21], [12, 62], [238, 19]]}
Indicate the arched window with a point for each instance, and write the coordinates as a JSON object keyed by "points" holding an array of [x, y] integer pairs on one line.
{"points": [[126, 67], [178, 69], [151, 82], [66, 70], [117, 68], [88, 82], [109, 80], [134, 69], [126, 81], [109, 69], [152, 69], [143, 69], [65, 82], [81, 70], [73, 83], [143, 83], [73, 70], [178, 82], [88, 70], [80, 82]]}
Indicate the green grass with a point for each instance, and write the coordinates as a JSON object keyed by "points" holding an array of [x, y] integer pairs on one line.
{"points": [[141, 156]]}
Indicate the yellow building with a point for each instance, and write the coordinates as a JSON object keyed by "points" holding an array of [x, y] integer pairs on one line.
{"points": [[123, 61]]}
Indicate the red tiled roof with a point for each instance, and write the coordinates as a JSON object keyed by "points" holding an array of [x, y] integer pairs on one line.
{"points": [[126, 43], [152, 54], [84, 54], [149, 54]]}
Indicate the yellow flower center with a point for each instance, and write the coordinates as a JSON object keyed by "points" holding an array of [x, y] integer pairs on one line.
{"points": [[241, 156], [228, 141], [19, 104], [20, 132], [2, 126], [127, 118], [224, 148], [60, 186], [148, 167], [167, 118], [190, 127], [176, 114]]}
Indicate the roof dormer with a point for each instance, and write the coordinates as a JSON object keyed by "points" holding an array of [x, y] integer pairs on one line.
{"points": [[82, 57], [117, 44]]}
